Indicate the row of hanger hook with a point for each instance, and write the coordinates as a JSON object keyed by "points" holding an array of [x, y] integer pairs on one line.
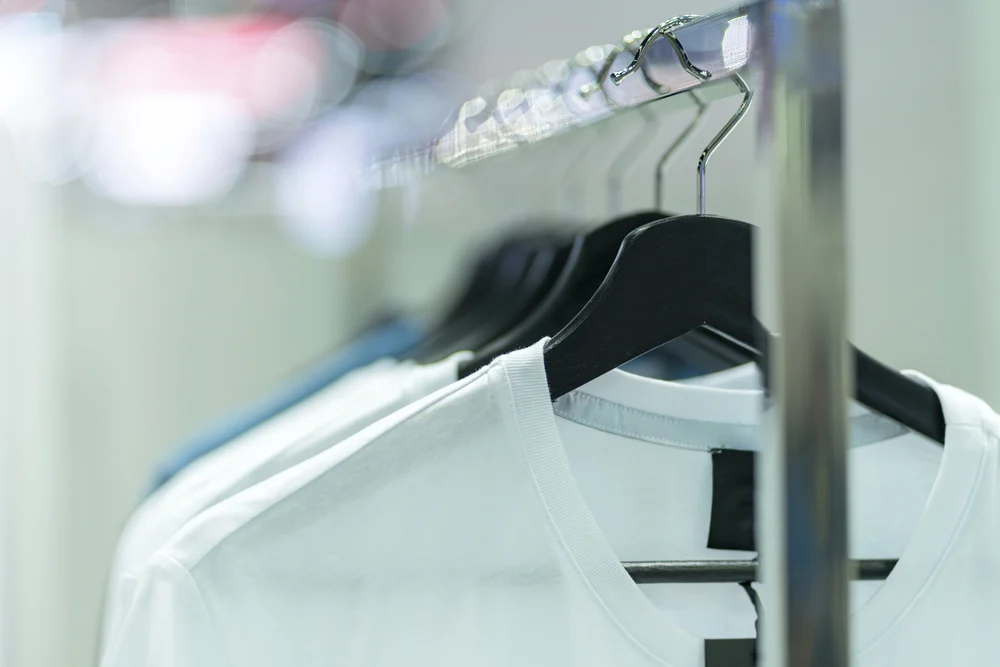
{"points": [[510, 129], [665, 30]]}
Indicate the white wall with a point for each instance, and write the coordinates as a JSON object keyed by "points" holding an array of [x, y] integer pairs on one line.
{"points": [[32, 496]]}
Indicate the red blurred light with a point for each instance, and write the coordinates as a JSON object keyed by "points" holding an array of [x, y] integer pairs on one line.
{"points": [[222, 56]]}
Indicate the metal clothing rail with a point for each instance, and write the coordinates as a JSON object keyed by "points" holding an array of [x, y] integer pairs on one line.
{"points": [[542, 103], [804, 494], [789, 50]]}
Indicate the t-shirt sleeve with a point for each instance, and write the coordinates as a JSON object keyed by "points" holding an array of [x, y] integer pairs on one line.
{"points": [[168, 624], [117, 600]]}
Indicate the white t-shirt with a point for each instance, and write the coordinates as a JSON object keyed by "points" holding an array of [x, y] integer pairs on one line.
{"points": [[337, 412], [345, 407], [484, 525]]}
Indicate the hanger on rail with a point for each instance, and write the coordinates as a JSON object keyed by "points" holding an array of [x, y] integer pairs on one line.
{"points": [[506, 282], [591, 254], [688, 272], [497, 297], [510, 278], [694, 353]]}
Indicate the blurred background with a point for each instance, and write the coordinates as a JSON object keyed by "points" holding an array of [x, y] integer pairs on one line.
{"points": [[187, 218]]}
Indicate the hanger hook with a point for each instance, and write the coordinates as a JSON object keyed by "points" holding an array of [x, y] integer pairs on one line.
{"points": [[665, 29], [661, 165], [588, 89], [721, 136], [575, 194], [626, 156], [626, 160]]}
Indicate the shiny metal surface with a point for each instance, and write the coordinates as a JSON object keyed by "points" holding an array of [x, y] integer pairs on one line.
{"points": [[671, 152], [631, 150], [717, 140], [804, 510], [628, 42], [731, 571], [665, 30], [625, 157], [699, 52]]}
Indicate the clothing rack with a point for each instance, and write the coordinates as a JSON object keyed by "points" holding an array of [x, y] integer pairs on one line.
{"points": [[559, 96], [789, 50], [804, 492]]}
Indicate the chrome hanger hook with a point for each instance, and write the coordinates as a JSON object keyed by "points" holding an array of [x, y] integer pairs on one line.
{"points": [[721, 136], [665, 29], [574, 188], [616, 50], [661, 166], [609, 61], [616, 174], [589, 89], [626, 158]]}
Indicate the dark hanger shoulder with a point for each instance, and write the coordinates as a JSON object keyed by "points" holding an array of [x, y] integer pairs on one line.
{"points": [[543, 269], [502, 280], [667, 280], [687, 272], [588, 258]]}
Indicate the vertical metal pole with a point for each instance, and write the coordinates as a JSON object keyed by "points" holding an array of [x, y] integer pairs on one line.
{"points": [[804, 499]]}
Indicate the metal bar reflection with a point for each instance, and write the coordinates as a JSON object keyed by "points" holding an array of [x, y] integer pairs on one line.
{"points": [[704, 53], [734, 571], [804, 508]]}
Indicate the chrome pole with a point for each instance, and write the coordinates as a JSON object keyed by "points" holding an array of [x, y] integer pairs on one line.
{"points": [[803, 501]]}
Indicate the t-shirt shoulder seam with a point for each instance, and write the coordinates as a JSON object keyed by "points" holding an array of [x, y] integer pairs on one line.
{"points": [[201, 600], [438, 397]]}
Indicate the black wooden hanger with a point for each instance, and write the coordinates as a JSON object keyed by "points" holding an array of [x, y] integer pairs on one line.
{"points": [[589, 256], [674, 276], [691, 272], [547, 262], [592, 254], [484, 281], [588, 260], [507, 281]]}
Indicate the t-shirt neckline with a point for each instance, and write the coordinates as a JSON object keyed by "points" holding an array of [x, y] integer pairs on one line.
{"points": [[586, 546]]}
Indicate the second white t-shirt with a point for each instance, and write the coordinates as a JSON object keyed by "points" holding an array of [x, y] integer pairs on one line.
{"points": [[335, 413]]}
